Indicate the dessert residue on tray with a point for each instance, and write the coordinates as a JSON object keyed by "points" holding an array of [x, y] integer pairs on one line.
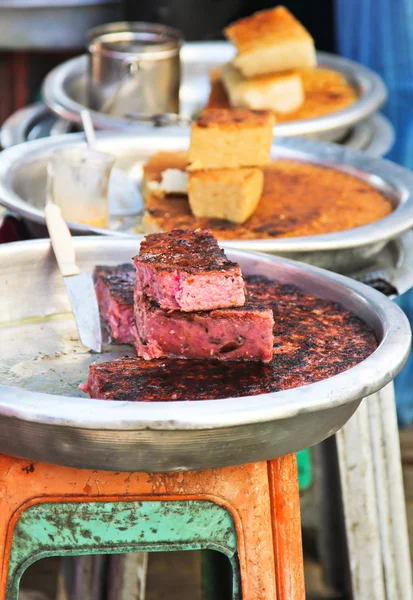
{"points": [[298, 199]]}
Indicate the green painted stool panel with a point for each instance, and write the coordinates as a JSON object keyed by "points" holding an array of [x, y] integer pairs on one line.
{"points": [[77, 528], [305, 470]]}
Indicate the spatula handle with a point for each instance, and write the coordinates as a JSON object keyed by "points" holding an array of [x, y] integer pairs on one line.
{"points": [[61, 239]]}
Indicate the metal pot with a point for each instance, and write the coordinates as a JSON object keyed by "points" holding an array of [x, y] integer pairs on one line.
{"points": [[134, 68]]}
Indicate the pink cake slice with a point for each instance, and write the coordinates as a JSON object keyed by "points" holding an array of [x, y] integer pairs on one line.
{"points": [[187, 271], [239, 333], [114, 292]]}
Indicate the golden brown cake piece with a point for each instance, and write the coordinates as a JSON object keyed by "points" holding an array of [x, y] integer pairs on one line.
{"points": [[230, 139], [228, 194], [280, 92], [325, 92], [270, 41]]}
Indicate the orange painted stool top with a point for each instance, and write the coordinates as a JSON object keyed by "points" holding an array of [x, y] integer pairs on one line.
{"points": [[262, 498]]}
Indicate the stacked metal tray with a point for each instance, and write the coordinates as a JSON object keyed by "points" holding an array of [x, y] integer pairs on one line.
{"points": [[374, 136], [64, 91], [23, 179]]}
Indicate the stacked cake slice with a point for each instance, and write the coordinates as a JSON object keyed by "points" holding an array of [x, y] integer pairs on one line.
{"points": [[272, 47], [227, 152], [189, 302]]}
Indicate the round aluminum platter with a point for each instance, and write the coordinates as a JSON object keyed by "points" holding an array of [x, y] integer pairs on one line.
{"points": [[43, 416], [64, 91], [23, 179], [375, 135]]}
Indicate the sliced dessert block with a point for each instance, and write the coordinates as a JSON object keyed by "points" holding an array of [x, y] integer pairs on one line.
{"points": [[229, 139], [187, 270], [230, 194], [241, 333], [114, 291], [280, 92], [270, 41], [166, 380]]}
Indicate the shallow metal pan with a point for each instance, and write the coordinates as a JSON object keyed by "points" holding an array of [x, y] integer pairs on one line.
{"points": [[42, 362], [64, 91], [375, 135], [23, 178]]}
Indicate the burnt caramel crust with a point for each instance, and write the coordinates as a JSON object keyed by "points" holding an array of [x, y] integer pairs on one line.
{"points": [[313, 339], [119, 279], [191, 251], [264, 28], [165, 380]]}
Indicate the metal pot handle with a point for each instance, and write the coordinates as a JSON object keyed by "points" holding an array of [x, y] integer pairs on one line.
{"points": [[160, 119]]}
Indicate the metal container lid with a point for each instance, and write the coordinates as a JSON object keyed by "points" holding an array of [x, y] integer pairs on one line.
{"points": [[136, 40]]}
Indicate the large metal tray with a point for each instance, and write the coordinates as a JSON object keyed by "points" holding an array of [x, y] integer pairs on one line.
{"points": [[64, 91], [43, 418], [375, 135], [23, 179]]}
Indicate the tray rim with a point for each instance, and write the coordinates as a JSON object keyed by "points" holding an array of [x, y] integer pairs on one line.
{"points": [[371, 86], [333, 155], [351, 385], [16, 127]]}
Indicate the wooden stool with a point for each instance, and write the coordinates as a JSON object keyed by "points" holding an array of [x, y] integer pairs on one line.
{"points": [[250, 513]]}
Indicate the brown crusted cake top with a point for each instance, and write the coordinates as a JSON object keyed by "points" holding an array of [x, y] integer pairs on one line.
{"points": [[265, 28], [235, 118], [119, 279], [192, 251]]}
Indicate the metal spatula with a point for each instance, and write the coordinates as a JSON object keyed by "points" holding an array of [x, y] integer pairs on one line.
{"points": [[79, 285]]}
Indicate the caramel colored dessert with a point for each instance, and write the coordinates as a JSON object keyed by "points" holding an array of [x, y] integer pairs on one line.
{"points": [[270, 41], [313, 339], [222, 139], [229, 194], [325, 92], [298, 199]]}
